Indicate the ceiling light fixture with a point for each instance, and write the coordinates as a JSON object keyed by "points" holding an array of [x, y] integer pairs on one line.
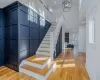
{"points": [[67, 4], [55, 1]]}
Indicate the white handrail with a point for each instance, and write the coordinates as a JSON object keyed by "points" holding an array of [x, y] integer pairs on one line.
{"points": [[54, 35]]}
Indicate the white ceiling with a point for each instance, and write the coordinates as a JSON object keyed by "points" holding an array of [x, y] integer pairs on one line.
{"points": [[49, 3], [55, 4], [4, 3]]}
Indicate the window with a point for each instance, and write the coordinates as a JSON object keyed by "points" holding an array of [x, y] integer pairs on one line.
{"points": [[33, 17], [91, 31], [42, 21]]}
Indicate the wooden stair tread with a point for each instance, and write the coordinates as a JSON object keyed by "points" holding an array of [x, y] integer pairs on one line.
{"points": [[38, 59], [42, 72]]}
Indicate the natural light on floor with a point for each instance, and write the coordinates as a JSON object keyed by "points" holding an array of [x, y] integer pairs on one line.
{"points": [[65, 65], [38, 59]]}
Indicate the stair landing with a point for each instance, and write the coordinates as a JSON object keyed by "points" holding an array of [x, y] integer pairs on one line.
{"points": [[38, 59], [42, 72]]}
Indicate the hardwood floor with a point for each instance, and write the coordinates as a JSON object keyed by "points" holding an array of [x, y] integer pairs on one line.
{"points": [[68, 67]]}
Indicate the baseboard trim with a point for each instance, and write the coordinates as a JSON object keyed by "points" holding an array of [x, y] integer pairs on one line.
{"points": [[88, 73]]}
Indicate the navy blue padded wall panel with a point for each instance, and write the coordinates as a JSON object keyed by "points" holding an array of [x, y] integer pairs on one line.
{"points": [[34, 33], [23, 55], [1, 52], [14, 31], [7, 32], [24, 18], [13, 17], [24, 45], [1, 38], [42, 34], [10, 17], [32, 43], [23, 33], [61, 40], [59, 45], [33, 48], [1, 32], [11, 35], [14, 46], [11, 32], [7, 51]]}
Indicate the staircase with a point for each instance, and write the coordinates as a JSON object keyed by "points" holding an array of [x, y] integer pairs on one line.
{"points": [[44, 47], [41, 65], [38, 67]]}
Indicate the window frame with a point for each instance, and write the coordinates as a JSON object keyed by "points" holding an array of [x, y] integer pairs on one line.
{"points": [[92, 31]]}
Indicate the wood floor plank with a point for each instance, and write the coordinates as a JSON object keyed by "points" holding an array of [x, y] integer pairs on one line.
{"points": [[70, 67]]}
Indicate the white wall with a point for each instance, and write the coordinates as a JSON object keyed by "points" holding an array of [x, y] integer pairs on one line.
{"points": [[82, 39], [93, 50], [73, 39], [72, 18]]}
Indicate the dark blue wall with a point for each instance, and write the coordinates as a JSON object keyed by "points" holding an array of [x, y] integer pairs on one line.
{"points": [[11, 36], [31, 31], [58, 45], [24, 31], [1, 38]]}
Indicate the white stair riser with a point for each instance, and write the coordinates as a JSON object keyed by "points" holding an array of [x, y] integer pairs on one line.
{"points": [[45, 42], [43, 53], [45, 46], [35, 75], [47, 34], [46, 39], [44, 49], [48, 42], [32, 74]]}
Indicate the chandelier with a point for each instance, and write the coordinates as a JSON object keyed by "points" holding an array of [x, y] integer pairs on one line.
{"points": [[67, 4]]}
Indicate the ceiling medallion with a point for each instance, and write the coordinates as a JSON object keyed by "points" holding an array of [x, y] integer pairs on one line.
{"points": [[67, 4]]}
